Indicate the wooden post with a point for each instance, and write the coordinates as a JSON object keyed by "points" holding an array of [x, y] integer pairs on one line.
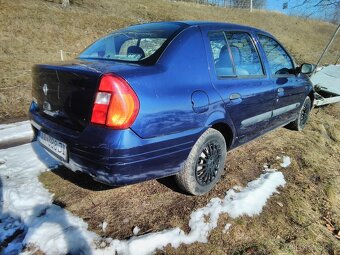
{"points": [[61, 55]]}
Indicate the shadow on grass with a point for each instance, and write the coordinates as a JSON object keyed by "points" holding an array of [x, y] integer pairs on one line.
{"points": [[81, 179], [170, 183], [85, 181]]}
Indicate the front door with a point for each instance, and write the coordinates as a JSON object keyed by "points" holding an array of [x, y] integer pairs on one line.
{"points": [[290, 89]]}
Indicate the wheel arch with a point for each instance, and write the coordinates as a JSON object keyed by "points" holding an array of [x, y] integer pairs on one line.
{"points": [[226, 131], [221, 121], [312, 96]]}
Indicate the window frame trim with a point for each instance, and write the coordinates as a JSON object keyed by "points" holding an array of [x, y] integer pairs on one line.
{"points": [[230, 56]]}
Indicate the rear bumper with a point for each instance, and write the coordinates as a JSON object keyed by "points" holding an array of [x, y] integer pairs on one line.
{"points": [[119, 157]]}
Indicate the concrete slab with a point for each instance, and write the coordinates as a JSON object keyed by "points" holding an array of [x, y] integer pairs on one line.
{"points": [[328, 79], [15, 134]]}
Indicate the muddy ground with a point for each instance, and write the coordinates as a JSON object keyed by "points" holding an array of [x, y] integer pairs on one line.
{"points": [[303, 219]]}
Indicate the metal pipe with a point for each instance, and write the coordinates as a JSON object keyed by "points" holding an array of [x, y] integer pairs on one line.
{"points": [[327, 47], [336, 62]]}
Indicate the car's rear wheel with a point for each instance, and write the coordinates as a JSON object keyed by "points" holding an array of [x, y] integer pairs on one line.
{"points": [[303, 116], [205, 164]]}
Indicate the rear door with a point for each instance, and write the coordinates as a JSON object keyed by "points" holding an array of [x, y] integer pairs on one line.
{"points": [[238, 75], [289, 87]]}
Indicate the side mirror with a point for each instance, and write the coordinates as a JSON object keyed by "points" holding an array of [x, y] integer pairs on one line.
{"points": [[307, 68]]}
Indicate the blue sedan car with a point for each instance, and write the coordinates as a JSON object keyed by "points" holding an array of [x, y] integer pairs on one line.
{"points": [[167, 99]]}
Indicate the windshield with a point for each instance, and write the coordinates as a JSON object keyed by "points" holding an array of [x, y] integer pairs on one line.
{"points": [[141, 43]]}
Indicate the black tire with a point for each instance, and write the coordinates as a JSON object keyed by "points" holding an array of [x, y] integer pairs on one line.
{"points": [[302, 119], [205, 164]]}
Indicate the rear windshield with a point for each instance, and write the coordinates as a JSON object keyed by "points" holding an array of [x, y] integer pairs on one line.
{"points": [[141, 43]]}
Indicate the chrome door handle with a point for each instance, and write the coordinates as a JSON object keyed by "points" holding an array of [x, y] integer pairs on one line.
{"points": [[234, 96]]}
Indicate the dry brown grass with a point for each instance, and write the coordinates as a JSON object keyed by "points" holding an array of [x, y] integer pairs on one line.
{"points": [[291, 222], [35, 31]]}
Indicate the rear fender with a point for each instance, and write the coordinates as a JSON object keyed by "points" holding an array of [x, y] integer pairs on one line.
{"points": [[221, 117]]}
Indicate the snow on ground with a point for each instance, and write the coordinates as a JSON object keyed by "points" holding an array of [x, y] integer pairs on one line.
{"points": [[136, 230], [226, 228], [26, 210], [286, 162], [15, 131]]}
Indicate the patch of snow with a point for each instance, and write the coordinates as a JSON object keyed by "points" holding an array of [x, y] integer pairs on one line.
{"points": [[28, 205], [136, 230], [15, 131], [226, 228], [50, 228], [237, 187], [22, 193], [286, 162], [57, 231], [103, 226], [249, 201]]}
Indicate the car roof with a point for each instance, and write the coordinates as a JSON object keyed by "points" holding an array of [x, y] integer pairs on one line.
{"points": [[217, 25]]}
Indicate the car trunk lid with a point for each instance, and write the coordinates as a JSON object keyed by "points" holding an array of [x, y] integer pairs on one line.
{"points": [[65, 93]]}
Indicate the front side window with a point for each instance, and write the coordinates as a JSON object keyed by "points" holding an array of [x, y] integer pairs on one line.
{"points": [[279, 61], [133, 44]]}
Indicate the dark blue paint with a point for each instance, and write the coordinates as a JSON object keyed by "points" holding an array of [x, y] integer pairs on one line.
{"points": [[200, 101], [180, 97]]}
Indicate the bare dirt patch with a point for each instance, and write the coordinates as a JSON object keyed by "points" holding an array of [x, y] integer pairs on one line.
{"points": [[296, 221]]}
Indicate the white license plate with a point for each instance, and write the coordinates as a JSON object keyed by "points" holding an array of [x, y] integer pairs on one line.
{"points": [[57, 147]]}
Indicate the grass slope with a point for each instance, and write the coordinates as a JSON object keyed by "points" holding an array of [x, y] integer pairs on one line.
{"points": [[35, 31]]}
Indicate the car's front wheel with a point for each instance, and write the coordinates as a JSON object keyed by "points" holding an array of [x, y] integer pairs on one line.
{"points": [[205, 164], [303, 116]]}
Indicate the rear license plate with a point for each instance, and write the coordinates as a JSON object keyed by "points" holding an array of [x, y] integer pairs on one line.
{"points": [[55, 146]]}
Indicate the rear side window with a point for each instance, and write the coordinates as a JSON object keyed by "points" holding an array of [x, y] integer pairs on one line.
{"points": [[234, 54], [221, 55], [279, 61]]}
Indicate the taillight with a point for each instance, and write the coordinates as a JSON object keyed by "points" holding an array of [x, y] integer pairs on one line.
{"points": [[116, 104]]}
